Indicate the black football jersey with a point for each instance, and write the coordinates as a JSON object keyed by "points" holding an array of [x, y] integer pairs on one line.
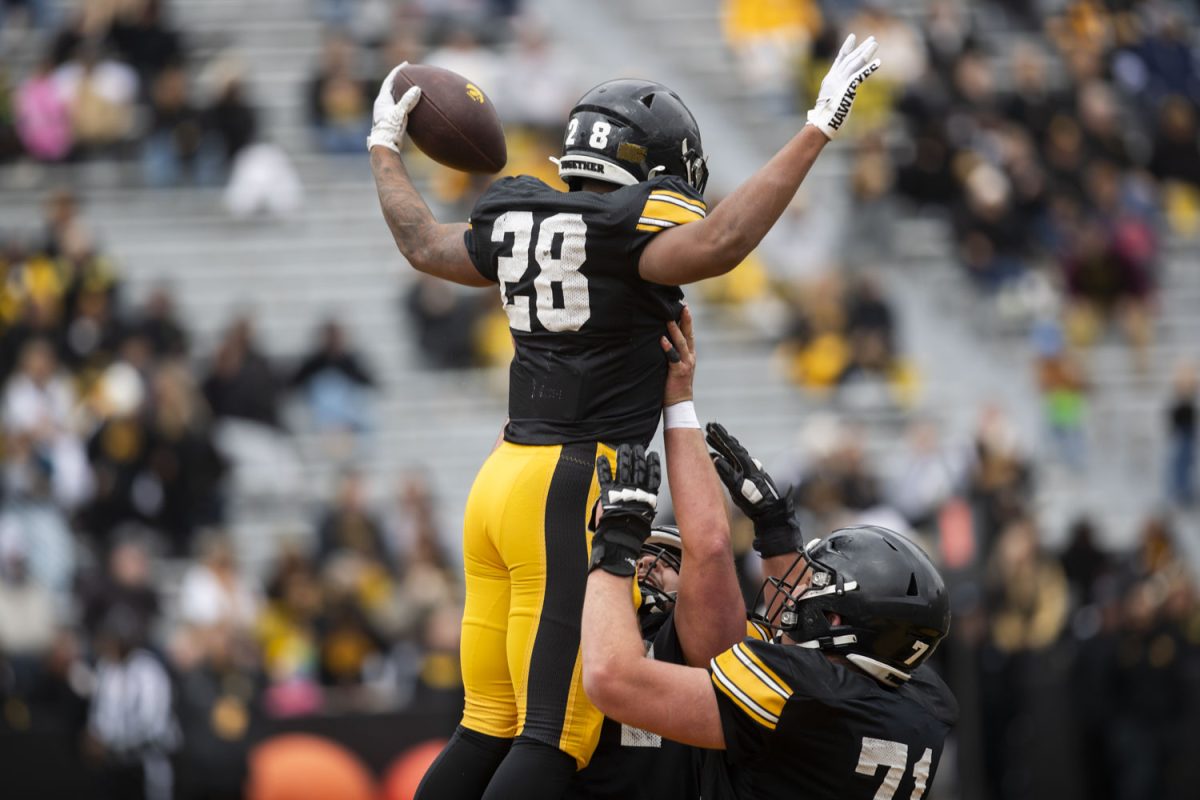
{"points": [[588, 364], [633, 764], [797, 724]]}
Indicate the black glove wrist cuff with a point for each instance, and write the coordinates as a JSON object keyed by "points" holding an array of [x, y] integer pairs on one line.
{"points": [[777, 537], [617, 545]]}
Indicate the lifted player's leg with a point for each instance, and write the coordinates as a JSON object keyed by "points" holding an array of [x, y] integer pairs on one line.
{"points": [[545, 546], [466, 765], [531, 769]]}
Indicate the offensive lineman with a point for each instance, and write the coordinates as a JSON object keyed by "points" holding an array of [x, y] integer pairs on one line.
{"points": [[589, 280], [837, 707]]}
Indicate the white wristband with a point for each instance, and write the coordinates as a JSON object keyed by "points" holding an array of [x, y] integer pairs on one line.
{"points": [[681, 415]]}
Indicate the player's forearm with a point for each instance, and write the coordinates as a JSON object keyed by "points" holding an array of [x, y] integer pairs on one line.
{"points": [[697, 494], [710, 615], [668, 699], [741, 220], [413, 226], [611, 641]]}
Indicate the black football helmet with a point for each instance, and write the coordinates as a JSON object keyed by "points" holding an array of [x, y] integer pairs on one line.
{"points": [[892, 601], [663, 545], [626, 131]]}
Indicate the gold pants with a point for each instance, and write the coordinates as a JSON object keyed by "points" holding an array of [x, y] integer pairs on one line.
{"points": [[525, 554]]}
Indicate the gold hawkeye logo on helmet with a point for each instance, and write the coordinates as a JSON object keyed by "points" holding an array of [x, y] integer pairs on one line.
{"points": [[475, 94]]}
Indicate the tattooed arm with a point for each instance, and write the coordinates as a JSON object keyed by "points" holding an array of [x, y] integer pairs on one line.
{"points": [[429, 246]]}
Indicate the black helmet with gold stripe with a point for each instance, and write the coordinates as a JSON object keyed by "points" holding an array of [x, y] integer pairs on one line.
{"points": [[626, 131]]}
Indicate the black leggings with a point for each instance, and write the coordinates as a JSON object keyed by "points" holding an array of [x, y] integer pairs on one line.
{"points": [[464, 767], [474, 766]]}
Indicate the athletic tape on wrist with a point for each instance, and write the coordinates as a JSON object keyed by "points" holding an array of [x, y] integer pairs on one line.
{"points": [[681, 415]]}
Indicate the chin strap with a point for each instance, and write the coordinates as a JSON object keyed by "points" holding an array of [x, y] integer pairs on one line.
{"points": [[887, 675], [828, 641]]}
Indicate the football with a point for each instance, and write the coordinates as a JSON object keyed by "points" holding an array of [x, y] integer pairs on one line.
{"points": [[454, 123]]}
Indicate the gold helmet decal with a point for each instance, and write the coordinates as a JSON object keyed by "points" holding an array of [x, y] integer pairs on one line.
{"points": [[475, 94]]}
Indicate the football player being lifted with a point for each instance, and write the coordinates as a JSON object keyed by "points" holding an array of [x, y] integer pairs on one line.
{"points": [[589, 278], [836, 705]]}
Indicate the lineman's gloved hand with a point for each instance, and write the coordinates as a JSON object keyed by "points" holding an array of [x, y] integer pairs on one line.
{"points": [[776, 531], [852, 66], [628, 501]]}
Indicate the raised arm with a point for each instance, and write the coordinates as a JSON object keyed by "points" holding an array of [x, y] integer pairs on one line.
{"points": [[429, 246], [777, 536], [710, 615], [717, 244], [669, 699]]}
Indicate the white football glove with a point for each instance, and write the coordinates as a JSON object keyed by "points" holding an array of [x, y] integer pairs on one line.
{"points": [[389, 117], [852, 66]]}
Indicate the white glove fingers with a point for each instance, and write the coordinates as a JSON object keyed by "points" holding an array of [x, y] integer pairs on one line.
{"points": [[869, 49], [384, 100], [862, 54], [847, 46], [409, 99], [855, 63]]}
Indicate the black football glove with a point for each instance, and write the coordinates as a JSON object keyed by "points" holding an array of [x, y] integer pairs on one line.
{"points": [[629, 501], [776, 531]]}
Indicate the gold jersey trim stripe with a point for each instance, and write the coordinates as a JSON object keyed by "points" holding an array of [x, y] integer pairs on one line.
{"points": [[661, 209], [749, 706], [674, 201], [764, 673], [691, 201], [756, 631]]}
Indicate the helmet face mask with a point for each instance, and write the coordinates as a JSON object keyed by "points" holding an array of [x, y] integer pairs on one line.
{"points": [[890, 603], [662, 548], [627, 131]]}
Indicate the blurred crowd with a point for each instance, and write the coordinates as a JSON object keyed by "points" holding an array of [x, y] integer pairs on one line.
{"points": [[118, 81], [509, 56], [130, 634], [1078, 668], [1069, 165], [1057, 138]]}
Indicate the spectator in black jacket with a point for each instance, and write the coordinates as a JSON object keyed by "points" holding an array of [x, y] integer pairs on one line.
{"points": [[231, 122], [145, 41], [159, 325], [1176, 144], [241, 382], [333, 380], [173, 148], [349, 526]]}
